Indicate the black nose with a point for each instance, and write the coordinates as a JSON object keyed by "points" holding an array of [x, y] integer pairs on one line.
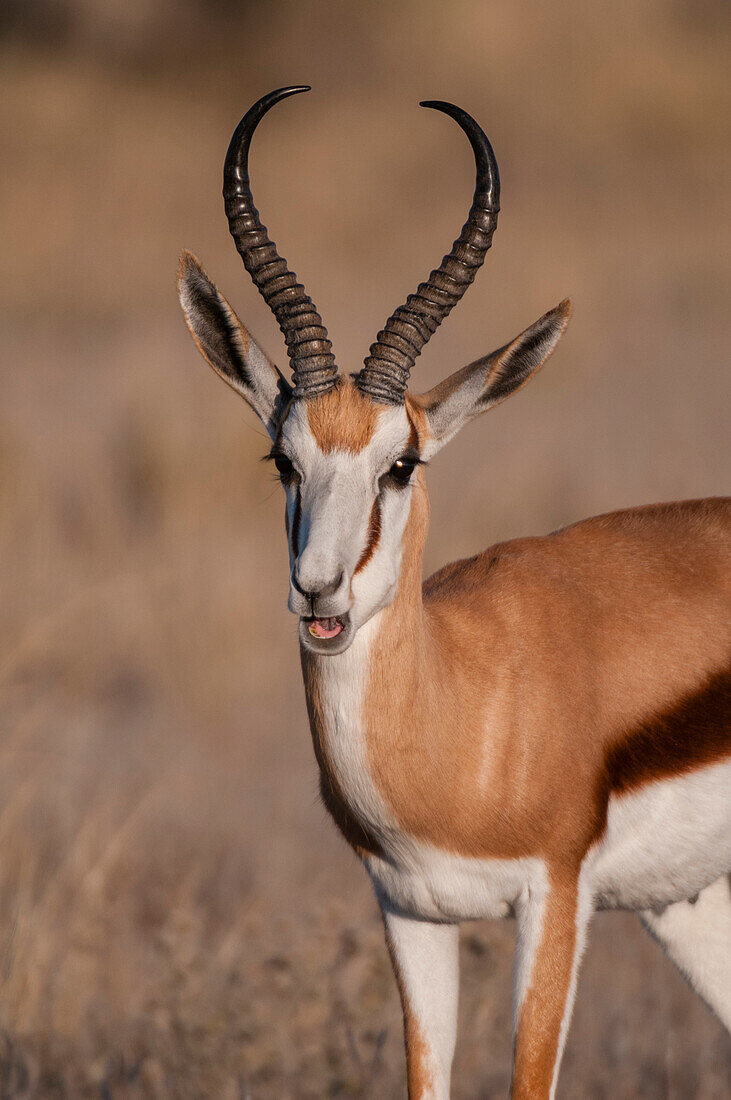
{"points": [[322, 593]]}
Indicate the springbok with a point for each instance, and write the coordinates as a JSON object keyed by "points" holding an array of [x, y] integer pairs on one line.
{"points": [[539, 731]]}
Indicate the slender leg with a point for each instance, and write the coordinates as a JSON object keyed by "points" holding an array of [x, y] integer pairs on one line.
{"points": [[697, 937], [425, 959], [551, 934]]}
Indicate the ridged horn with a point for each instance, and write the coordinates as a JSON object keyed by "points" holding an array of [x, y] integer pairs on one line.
{"points": [[310, 352], [385, 373]]}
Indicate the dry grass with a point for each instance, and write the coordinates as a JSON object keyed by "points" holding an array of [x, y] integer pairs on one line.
{"points": [[178, 918]]}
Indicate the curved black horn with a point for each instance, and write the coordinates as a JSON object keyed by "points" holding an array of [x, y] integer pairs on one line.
{"points": [[310, 352], [385, 374]]}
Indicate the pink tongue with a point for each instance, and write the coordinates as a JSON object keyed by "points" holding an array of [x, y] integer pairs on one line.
{"points": [[325, 628]]}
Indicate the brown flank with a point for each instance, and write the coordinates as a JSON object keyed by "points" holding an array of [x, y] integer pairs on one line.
{"points": [[692, 734]]}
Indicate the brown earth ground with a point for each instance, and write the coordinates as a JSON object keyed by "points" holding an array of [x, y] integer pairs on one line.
{"points": [[178, 918]]}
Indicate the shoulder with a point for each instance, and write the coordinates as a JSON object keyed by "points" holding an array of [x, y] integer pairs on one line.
{"points": [[647, 535], [682, 518]]}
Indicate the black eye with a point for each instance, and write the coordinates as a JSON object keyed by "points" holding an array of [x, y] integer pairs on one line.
{"points": [[285, 469], [402, 470]]}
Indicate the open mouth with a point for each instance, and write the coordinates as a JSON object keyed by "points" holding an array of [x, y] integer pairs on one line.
{"points": [[326, 628], [327, 636]]}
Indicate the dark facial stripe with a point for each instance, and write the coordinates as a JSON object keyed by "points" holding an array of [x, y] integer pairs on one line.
{"points": [[694, 733], [295, 534], [374, 534]]}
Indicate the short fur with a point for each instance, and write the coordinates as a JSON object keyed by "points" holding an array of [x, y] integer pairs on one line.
{"points": [[538, 731]]}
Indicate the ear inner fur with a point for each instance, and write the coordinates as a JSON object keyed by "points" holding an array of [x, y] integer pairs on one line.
{"points": [[523, 357], [226, 340], [228, 347], [490, 380]]}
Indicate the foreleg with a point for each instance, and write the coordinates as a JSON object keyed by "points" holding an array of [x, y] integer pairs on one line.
{"points": [[425, 959], [553, 918]]}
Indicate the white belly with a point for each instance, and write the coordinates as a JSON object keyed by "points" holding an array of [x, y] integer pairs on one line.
{"points": [[665, 842]]}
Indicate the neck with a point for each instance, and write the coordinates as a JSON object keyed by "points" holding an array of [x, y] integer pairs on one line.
{"points": [[389, 650]]}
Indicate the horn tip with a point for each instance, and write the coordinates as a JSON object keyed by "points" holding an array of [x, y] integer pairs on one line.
{"points": [[460, 116], [292, 89], [439, 105]]}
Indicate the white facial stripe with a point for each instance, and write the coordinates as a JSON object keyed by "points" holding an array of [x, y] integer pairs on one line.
{"points": [[336, 495]]}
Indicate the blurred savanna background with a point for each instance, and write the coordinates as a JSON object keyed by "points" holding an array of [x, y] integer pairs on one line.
{"points": [[178, 917]]}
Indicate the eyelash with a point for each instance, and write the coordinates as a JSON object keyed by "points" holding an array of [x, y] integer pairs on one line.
{"points": [[401, 472], [286, 472], [397, 476]]}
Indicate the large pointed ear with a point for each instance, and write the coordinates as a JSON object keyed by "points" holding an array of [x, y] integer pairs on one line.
{"points": [[488, 381], [228, 347]]}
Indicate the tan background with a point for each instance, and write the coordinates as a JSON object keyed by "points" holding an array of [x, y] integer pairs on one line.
{"points": [[178, 918]]}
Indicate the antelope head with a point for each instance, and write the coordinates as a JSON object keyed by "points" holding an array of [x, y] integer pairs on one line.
{"points": [[347, 447]]}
